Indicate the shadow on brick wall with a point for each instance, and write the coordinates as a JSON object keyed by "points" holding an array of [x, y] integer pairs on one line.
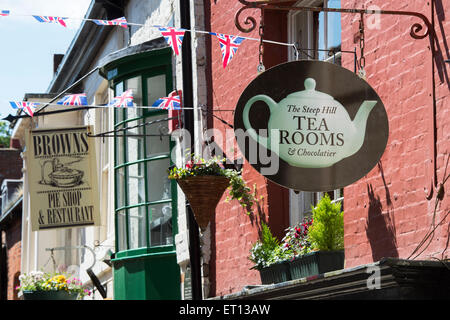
{"points": [[380, 229], [441, 54]]}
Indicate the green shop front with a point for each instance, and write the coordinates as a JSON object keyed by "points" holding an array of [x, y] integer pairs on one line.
{"points": [[144, 264]]}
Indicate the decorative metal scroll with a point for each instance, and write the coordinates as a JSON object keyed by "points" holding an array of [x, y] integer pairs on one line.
{"points": [[416, 28], [415, 32]]}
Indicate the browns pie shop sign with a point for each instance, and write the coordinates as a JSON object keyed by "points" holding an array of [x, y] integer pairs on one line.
{"points": [[62, 178], [325, 126]]}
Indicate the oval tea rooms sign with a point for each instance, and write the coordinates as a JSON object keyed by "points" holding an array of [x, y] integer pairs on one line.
{"points": [[311, 125]]}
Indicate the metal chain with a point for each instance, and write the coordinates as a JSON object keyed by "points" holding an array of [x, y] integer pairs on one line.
{"points": [[261, 67], [362, 44]]}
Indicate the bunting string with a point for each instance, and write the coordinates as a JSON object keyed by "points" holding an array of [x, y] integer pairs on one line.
{"points": [[29, 107], [173, 36], [107, 106], [125, 100]]}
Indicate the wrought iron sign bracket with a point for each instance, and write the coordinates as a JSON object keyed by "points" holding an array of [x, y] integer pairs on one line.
{"points": [[417, 32], [284, 5]]}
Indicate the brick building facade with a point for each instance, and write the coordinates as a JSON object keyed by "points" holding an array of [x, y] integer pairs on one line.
{"points": [[10, 224], [10, 164], [387, 212], [390, 210], [234, 231], [12, 240]]}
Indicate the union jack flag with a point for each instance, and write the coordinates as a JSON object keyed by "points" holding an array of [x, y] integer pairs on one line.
{"points": [[51, 19], [124, 100], [79, 99], [116, 22], [228, 46], [171, 102], [28, 107], [4, 13], [173, 37]]}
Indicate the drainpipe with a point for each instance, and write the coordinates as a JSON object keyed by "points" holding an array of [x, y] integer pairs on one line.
{"points": [[194, 237]]}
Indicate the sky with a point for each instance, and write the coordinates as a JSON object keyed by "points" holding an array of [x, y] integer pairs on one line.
{"points": [[27, 46]]}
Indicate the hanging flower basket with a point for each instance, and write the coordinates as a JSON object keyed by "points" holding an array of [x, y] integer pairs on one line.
{"points": [[49, 295], [38, 285], [203, 194], [204, 182]]}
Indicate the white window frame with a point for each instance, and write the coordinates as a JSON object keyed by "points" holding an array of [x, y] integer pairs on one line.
{"points": [[300, 201]]}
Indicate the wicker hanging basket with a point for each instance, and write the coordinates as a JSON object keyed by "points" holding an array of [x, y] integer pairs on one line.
{"points": [[203, 194]]}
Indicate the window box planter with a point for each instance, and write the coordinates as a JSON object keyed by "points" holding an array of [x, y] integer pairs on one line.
{"points": [[275, 273], [49, 295], [307, 265], [315, 263]]}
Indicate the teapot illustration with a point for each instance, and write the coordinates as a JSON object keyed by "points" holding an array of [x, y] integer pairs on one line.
{"points": [[309, 128]]}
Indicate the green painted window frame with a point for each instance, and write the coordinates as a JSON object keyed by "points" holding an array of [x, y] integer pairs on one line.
{"points": [[145, 66]]}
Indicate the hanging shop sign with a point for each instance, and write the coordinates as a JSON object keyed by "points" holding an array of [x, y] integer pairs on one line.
{"points": [[321, 126], [62, 178]]}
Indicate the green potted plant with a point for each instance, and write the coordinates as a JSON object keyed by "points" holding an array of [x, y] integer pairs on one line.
{"points": [[270, 258], [325, 241], [204, 182], [313, 246], [38, 285]]}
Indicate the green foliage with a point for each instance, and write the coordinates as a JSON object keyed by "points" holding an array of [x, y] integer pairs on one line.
{"points": [[238, 189], [268, 250], [268, 238], [327, 230], [5, 134], [199, 167]]}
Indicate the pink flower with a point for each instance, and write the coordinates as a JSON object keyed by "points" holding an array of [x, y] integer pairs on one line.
{"points": [[189, 164]]}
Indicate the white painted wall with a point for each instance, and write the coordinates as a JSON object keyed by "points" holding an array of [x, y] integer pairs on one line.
{"points": [[101, 239]]}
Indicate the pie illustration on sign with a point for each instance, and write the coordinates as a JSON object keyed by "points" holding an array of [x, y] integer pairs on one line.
{"points": [[59, 175]]}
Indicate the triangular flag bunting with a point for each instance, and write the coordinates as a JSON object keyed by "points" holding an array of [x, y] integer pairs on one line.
{"points": [[28, 107], [116, 22], [4, 13], [228, 46], [79, 99], [49, 19], [124, 100], [174, 37], [171, 102]]}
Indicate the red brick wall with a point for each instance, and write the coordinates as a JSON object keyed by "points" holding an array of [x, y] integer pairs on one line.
{"points": [[386, 212], [10, 164], [233, 232], [11, 168], [13, 245]]}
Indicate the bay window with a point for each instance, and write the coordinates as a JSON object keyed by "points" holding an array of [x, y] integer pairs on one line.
{"points": [[144, 264], [143, 191]]}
